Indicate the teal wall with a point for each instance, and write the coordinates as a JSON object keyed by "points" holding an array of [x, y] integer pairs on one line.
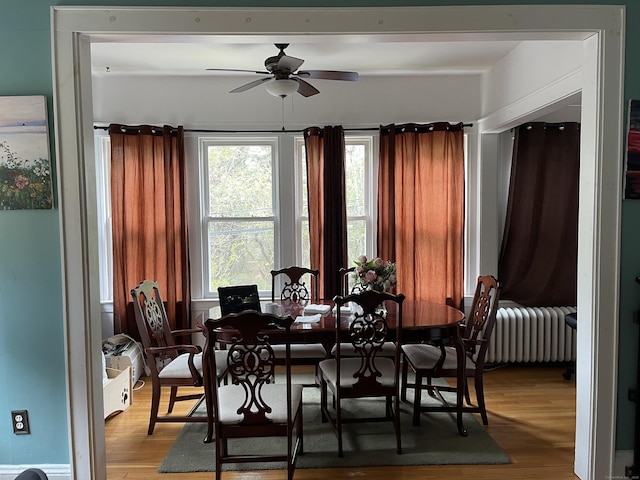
{"points": [[32, 372]]}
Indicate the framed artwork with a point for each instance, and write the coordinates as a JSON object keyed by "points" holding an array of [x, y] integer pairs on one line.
{"points": [[632, 176], [25, 164]]}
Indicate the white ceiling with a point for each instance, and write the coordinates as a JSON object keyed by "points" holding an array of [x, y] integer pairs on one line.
{"points": [[365, 54], [369, 55]]}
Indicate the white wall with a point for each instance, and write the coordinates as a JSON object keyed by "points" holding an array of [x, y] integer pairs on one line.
{"points": [[535, 77], [204, 102]]}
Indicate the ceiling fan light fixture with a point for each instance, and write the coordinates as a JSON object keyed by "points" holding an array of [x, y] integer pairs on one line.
{"points": [[282, 87]]}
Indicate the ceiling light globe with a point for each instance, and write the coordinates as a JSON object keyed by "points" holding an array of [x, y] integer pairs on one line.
{"points": [[282, 87]]}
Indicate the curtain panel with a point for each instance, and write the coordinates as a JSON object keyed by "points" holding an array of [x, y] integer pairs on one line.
{"points": [[325, 152], [149, 221], [539, 254], [421, 209]]}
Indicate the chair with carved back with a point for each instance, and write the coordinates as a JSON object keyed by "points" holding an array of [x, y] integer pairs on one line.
{"points": [[352, 287], [349, 286], [367, 374], [171, 364], [439, 360], [294, 284], [295, 290], [252, 404]]}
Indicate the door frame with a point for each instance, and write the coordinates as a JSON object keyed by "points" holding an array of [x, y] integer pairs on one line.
{"points": [[600, 193]]}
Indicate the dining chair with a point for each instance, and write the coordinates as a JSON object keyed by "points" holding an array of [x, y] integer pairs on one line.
{"points": [[440, 360], [351, 288], [294, 284], [251, 404], [171, 365], [296, 290], [236, 298], [368, 374]]}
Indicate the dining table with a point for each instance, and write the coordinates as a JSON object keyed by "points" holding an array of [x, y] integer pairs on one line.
{"points": [[422, 321]]}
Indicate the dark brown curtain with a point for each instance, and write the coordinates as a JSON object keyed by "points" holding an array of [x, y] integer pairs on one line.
{"points": [[149, 221], [421, 209], [539, 255], [327, 205]]}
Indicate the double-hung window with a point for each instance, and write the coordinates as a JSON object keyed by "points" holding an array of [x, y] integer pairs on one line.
{"points": [[240, 214], [360, 176]]}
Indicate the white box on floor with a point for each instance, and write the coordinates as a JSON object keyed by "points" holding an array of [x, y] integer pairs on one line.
{"points": [[131, 357], [116, 391]]}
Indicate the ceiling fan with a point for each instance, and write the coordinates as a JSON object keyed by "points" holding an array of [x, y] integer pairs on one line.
{"points": [[285, 78]]}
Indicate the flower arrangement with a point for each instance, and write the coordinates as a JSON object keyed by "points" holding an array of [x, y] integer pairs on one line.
{"points": [[375, 274]]}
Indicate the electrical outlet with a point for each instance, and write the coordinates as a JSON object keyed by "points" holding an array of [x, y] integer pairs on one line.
{"points": [[20, 421]]}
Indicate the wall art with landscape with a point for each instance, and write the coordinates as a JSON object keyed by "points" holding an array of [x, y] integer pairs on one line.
{"points": [[25, 165]]}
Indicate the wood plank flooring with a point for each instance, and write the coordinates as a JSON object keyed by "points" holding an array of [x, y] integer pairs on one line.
{"points": [[531, 412]]}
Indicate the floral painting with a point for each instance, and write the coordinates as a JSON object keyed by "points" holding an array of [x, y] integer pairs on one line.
{"points": [[25, 166]]}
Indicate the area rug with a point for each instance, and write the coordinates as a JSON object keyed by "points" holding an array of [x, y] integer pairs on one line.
{"points": [[434, 442]]}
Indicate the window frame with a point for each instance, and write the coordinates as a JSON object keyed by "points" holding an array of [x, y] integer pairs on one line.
{"points": [[370, 143], [204, 220]]}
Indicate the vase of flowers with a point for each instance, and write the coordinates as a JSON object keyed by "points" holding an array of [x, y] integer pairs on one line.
{"points": [[375, 274]]}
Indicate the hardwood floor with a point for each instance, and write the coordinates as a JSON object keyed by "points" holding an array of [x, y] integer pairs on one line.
{"points": [[531, 415]]}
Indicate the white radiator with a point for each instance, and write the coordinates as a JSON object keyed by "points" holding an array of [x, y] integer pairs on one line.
{"points": [[532, 334]]}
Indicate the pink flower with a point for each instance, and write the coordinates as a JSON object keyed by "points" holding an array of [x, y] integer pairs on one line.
{"points": [[371, 276], [21, 181]]}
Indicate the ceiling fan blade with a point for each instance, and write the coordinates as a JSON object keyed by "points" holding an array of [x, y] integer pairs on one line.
{"points": [[235, 70], [288, 64], [249, 85], [329, 75], [306, 89]]}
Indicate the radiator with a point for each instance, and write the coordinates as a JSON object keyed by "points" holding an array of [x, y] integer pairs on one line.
{"points": [[532, 334]]}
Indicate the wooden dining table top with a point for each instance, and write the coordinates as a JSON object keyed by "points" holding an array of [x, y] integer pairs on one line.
{"points": [[416, 316]]}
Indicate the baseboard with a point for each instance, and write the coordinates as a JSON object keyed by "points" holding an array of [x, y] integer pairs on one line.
{"points": [[54, 472]]}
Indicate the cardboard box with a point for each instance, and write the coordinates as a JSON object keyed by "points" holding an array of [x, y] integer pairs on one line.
{"points": [[116, 391]]}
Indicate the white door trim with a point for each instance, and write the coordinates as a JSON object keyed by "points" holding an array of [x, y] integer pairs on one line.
{"points": [[600, 193]]}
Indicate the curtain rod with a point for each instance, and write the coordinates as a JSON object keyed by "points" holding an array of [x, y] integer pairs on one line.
{"points": [[190, 130]]}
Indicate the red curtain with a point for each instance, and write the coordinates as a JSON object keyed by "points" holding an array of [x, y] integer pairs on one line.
{"points": [[149, 221], [421, 209], [327, 205], [539, 256]]}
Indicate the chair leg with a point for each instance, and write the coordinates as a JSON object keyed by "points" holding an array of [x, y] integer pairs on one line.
{"points": [[155, 405], [403, 384], [218, 448], [300, 431], [480, 397], [417, 399], [467, 396], [339, 426], [172, 399], [323, 400], [397, 426]]}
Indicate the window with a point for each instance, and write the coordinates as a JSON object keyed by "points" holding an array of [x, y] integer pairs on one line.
{"points": [[359, 184], [239, 210], [247, 206]]}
